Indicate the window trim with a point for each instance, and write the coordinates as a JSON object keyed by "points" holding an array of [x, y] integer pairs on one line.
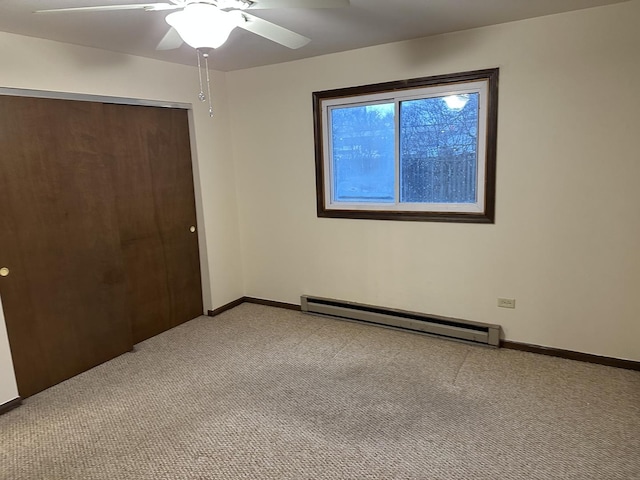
{"points": [[323, 100]]}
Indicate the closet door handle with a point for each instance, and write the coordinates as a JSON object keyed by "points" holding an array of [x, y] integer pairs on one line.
{"points": [[192, 228], [4, 272]]}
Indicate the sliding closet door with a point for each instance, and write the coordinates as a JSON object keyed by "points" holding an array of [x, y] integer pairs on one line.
{"points": [[153, 181], [64, 289], [98, 233]]}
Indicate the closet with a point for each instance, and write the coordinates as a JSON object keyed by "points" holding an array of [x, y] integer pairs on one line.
{"points": [[98, 240]]}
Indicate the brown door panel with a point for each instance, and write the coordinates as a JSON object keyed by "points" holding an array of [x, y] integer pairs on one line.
{"points": [[156, 208], [64, 299]]}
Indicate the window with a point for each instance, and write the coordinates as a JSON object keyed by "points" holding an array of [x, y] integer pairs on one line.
{"points": [[421, 149]]}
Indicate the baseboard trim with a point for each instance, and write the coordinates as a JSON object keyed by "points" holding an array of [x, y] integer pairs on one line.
{"points": [[508, 344], [272, 303], [10, 405], [224, 308], [571, 355], [258, 301]]}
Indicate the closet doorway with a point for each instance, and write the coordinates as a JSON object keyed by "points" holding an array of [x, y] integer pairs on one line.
{"points": [[99, 239]]}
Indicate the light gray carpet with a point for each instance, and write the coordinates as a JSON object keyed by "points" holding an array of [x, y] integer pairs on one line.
{"points": [[266, 393]]}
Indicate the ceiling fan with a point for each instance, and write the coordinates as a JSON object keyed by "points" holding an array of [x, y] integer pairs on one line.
{"points": [[206, 24]]}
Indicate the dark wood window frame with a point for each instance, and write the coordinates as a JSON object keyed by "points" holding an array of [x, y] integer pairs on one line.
{"points": [[487, 215]]}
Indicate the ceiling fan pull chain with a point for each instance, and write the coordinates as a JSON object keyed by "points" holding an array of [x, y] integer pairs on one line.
{"points": [[201, 95], [206, 63]]}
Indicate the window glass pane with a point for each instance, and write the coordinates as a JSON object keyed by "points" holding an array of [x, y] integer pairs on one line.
{"points": [[438, 149], [363, 153]]}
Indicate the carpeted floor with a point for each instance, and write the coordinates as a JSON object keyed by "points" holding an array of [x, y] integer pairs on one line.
{"points": [[266, 393]]}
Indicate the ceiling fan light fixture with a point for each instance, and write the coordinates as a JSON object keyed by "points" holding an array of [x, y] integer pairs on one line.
{"points": [[202, 25]]}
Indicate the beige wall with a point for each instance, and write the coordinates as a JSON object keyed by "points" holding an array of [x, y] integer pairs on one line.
{"points": [[8, 387], [565, 242]]}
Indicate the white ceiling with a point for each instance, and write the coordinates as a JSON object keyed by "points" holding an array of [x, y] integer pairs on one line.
{"points": [[364, 23]]}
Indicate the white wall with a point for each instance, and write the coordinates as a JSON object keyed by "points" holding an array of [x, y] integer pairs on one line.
{"points": [[8, 387], [30, 63], [565, 242]]}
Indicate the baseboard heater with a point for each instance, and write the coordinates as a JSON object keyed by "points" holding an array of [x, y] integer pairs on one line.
{"points": [[451, 328]]}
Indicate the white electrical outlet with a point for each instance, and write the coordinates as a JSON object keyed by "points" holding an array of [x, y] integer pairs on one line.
{"points": [[507, 302]]}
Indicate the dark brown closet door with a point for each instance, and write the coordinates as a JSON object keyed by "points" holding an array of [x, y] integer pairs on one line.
{"points": [[153, 181], [64, 297]]}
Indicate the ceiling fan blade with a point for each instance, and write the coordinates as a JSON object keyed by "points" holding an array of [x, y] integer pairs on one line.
{"points": [[264, 4], [134, 6], [170, 41], [273, 32]]}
